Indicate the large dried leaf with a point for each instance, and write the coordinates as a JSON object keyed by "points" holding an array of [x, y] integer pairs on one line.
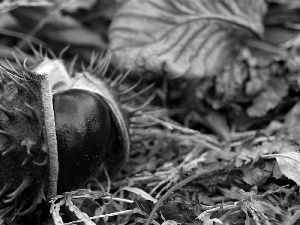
{"points": [[182, 38]]}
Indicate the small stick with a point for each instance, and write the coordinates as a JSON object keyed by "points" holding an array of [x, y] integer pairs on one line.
{"points": [[102, 216]]}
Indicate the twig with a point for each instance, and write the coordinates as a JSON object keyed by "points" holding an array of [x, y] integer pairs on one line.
{"points": [[102, 216], [222, 207], [119, 199]]}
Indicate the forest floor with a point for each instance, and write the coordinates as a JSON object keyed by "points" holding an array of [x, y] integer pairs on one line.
{"points": [[216, 132]]}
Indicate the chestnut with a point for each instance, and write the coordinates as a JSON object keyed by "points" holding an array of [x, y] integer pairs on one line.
{"points": [[54, 142], [85, 132]]}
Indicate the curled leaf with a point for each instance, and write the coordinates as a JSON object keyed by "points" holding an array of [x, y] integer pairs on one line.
{"points": [[55, 209], [182, 38], [80, 215]]}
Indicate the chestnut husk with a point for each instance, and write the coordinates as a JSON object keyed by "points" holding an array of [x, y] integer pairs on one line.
{"points": [[27, 142], [66, 153]]}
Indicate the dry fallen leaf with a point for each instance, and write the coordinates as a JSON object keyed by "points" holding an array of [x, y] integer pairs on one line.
{"points": [[292, 121], [258, 174], [269, 98], [182, 38], [289, 164], [261, 210]]}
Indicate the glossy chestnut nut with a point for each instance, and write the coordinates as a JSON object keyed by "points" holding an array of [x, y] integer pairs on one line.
{"points": [[85, 133]]}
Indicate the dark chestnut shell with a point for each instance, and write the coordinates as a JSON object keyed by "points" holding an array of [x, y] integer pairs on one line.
{"points": [[85, 133], [118, 154]]}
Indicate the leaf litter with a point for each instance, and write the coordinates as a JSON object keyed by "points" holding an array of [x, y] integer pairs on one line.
{"points": [[219, 144]]}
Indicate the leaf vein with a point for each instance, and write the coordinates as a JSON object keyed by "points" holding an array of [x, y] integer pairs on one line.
{"points": [[185, 46], [122, 16], [175, 42], [125, 29]]}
